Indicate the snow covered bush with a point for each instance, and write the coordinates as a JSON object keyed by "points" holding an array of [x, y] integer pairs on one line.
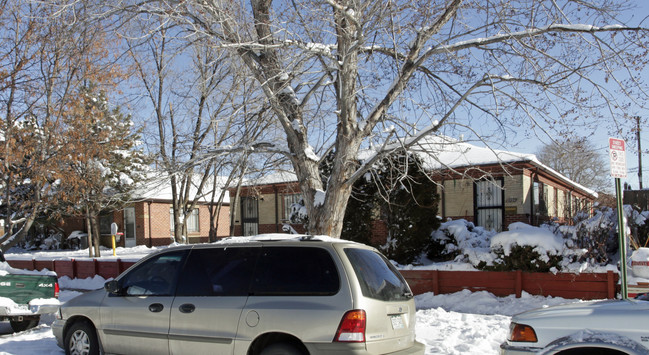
{"points": [[459, 240], [637, 225], [525, 248], [41, 241], [597, 236]]}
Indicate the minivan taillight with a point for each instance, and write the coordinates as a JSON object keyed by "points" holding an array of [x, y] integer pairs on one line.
{"points": [[352, 327], [56, 290]]}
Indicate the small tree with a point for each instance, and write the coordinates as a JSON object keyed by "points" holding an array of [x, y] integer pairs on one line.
{"points": [[407, 204], [409, 208], [104, 164]]}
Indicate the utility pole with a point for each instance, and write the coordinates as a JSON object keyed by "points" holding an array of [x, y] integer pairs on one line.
{"points": [[639, 151]]}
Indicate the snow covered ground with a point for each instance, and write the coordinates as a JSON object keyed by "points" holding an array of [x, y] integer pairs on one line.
{"points": [[459, 323]]}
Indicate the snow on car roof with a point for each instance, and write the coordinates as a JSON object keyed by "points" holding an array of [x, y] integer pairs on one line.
{"points": [[282, 237]]}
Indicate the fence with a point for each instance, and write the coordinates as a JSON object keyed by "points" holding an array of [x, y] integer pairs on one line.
{"points": [[583, 286], [76, 268]]}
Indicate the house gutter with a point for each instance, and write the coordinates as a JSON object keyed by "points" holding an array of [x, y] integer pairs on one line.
{"points": [[575, 185], [150, 236]]}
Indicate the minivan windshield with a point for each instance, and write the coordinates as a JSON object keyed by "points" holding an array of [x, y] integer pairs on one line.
{"points": [[377, 276]]}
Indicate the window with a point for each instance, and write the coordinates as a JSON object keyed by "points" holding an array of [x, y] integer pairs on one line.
{"points": [[540, 198], [193, 223], [377, 277], [295, 271], [154, 277], [218, 272], [104, 223], [290, 199]]}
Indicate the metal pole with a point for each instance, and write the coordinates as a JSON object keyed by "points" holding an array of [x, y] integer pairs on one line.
{"points": [[639, 152], [622, 238]]}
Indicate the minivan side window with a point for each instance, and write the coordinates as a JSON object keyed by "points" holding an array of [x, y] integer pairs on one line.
{"points": [[295, 271], [378, 278], [154, 277], [217, 272]]}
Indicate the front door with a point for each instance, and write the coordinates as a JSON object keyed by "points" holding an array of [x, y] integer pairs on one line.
{"points": [[249, 216], [129, 227], [136, 320], [489, 197], [211, 293]]}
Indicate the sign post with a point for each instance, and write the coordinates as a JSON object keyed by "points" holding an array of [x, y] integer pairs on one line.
{"points": [[113, 232], [617, 154]]}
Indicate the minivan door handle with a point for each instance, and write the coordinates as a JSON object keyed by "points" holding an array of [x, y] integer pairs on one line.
{"points": [[156, 307], [187, 308]]}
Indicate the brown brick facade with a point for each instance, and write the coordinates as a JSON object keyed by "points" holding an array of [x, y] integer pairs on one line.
{"points": [[153, 224]]}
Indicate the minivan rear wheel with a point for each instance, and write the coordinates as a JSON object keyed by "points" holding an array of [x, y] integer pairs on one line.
{"points": [[281, 349]]}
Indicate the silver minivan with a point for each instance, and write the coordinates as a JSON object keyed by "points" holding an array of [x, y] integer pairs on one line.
{"points": [[269, 294]]}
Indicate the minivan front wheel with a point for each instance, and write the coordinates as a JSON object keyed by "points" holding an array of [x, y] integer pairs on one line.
{"points": [[281, 349], [81, 339]]}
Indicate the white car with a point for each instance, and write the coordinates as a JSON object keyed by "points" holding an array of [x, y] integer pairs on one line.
{"points": [[602, 327]]}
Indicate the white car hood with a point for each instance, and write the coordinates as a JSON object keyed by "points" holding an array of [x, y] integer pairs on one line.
{"points": [[609, 312]]}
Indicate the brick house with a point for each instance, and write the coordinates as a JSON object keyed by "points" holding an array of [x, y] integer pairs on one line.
{"points": [[149, 221], [491, 188]]}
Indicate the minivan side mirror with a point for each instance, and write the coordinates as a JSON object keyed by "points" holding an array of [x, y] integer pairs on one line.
{"points": [[112, 286]]}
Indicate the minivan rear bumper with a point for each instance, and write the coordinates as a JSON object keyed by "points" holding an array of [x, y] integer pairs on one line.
{"points": [[417, 348]]}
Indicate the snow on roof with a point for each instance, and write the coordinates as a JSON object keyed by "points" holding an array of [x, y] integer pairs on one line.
{"points": [[158, 187], [274, 178], [442, 152]]}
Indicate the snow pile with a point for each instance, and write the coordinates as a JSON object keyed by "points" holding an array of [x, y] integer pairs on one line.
{"points": [[9, 307], [640, 255], [483, 302], [5, 269], [542, 240], [87, 284]]}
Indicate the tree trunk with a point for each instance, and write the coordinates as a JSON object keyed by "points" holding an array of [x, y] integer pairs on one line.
{"points": [[96, 234], [89, 227]]}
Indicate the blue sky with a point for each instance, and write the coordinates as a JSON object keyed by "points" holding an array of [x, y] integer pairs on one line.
{"points": [[600, 139]]}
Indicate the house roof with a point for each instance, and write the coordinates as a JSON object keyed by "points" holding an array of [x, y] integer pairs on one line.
{"points": [[442, 152], [158, 187]]}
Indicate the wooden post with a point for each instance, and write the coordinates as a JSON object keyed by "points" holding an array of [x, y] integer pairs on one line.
{"points": [[95, 266], [436, 282], [74, 269], [120, 266], [519, 283], [610, 282]]}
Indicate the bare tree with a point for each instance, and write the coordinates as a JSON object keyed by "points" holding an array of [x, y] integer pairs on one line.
{"points": [[199, 99], [578, 160], [343, 75], [44, 57]]}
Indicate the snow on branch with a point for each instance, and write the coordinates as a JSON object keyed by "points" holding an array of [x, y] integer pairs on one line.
{"points": [[532, 32]]}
